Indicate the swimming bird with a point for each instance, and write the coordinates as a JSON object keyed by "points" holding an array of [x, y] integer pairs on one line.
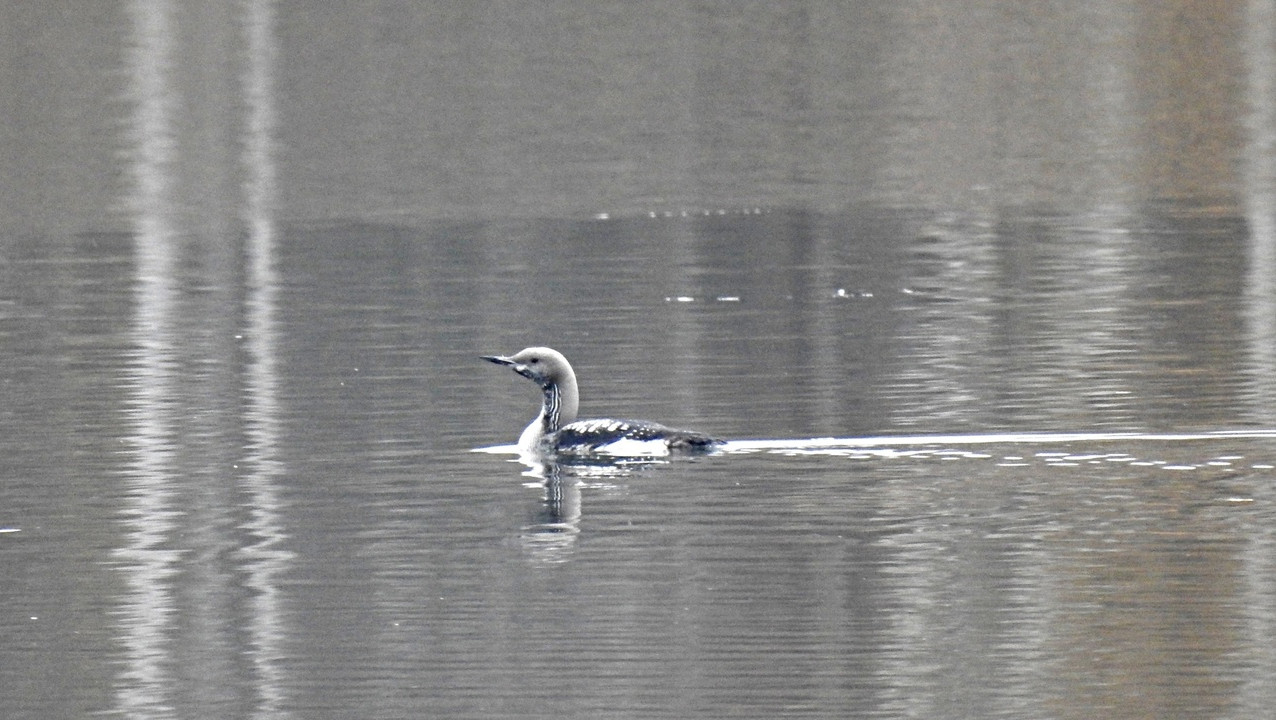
{"points": [[556, 431]]}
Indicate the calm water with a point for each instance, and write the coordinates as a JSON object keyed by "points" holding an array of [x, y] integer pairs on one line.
{"points": [[989, 319]]}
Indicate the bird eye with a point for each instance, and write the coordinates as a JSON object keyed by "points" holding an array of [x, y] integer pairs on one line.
{"points": [[533, 361]]}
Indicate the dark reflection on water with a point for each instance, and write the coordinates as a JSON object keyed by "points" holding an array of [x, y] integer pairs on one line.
{"points": [[1109, 317], [256, 251], [287, 499]]}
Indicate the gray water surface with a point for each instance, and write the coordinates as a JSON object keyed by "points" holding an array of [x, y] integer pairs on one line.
{"points": [[981, 295], [278, 510]]}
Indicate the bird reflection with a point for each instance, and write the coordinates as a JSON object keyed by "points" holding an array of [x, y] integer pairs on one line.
{"points": [[551, 536]]}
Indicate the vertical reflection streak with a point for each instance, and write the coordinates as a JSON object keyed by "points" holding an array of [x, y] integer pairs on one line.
{"points": [[552, 539], [1258, 692], [1260, 183], [264, 559], [146, 613]]}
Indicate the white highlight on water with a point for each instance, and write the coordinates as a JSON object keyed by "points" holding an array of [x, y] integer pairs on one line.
{"points": [[1028, 438], [945, 447]]}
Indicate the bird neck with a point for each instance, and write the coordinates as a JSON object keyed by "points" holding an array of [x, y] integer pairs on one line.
{"points": [[559, 408]]}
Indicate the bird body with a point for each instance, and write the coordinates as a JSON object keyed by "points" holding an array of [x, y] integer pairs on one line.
{"points": [[556, 431]]}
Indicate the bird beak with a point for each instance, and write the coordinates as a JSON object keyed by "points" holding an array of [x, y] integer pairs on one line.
{"points": [[510, 363]]}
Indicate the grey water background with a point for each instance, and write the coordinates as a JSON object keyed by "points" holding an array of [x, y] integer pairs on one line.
{"points": [[250, 252]]}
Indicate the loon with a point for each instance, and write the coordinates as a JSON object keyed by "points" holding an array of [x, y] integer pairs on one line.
{"points": [[556, 431]]}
